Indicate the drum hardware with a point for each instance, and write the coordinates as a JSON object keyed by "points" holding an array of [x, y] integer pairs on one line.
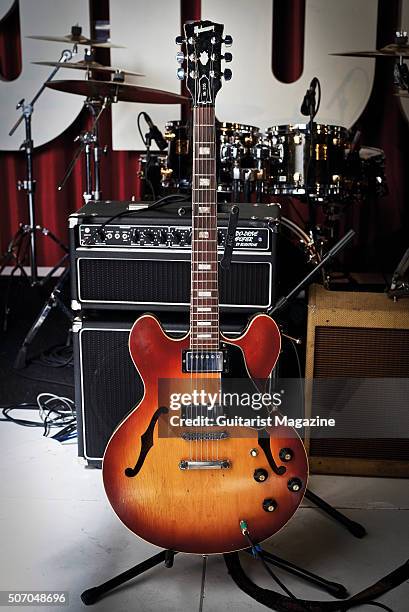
{"points": [[89, 143], [400, 282], [25, 240]]}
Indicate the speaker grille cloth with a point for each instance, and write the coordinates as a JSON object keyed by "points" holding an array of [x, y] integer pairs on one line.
{"points": [[111, 386], [360, 353], [152, 281]]}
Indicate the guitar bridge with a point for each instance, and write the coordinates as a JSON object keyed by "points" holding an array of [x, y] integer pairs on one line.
{"points": [[223, 464]]}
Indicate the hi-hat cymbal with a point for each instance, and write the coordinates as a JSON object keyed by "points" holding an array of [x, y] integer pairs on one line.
{"points": [[88, 65], [72, 39], [393, 51], [117, 92]]}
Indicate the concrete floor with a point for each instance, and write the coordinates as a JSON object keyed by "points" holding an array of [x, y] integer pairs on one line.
{"points": [[58, 533]]}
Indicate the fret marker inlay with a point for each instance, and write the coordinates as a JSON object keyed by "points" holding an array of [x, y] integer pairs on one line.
{"points": [[204, 150]]}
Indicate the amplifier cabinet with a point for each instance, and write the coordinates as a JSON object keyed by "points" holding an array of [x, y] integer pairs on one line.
{"points": [[107, 384], [142, 261], [359, 342]]}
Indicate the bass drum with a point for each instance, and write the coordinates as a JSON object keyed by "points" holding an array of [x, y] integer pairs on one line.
{"points": [[292, 161]]}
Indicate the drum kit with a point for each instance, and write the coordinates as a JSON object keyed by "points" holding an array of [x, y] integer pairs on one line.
{"points": [[322, 165]]}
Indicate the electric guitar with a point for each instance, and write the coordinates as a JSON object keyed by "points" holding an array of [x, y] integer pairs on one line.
{"points": [[184, 477]]}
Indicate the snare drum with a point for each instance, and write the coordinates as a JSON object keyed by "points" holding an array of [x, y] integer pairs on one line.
{"points": [[292, 159]]}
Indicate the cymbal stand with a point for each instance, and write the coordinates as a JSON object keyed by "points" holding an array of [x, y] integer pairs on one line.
{"points": [[89, 144], [17, 250]]}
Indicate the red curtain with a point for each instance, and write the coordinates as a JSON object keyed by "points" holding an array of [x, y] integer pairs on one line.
{"points": [[382, 236]]}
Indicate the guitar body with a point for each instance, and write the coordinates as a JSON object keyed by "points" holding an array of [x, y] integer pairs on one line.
{"points": [[199, 510]]}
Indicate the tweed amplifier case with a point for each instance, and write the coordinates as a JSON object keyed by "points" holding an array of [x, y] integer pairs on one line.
{"points": [[358, 336], [141, 261], [107, 385]]}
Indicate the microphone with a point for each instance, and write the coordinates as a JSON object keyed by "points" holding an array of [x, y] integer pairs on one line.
{"points": [[309, 98], [355, 143], [155, 133]]}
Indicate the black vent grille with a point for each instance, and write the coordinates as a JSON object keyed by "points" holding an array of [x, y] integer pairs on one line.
{"points": [[110, 383], [153, 281], [352, 353]]}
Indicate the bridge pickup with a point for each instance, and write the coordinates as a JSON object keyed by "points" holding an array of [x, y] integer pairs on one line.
{"points": [[223, 464], [204, 361], [205, 435]]}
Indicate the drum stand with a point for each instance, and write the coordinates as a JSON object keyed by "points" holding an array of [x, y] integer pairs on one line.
{"points": [[24, 242], [89, 143], [92, 595]]}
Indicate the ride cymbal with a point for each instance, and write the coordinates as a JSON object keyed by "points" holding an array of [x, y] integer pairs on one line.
{"points": [[393, 51], [89, 65], [73, 39], [117, 92]]}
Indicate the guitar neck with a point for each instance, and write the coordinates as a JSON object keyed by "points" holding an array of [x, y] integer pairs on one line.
{"points": [[204, 307]]}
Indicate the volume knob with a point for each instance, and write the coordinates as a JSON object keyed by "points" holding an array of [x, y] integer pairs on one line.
{"points": [[260, 474], [269, 505]]}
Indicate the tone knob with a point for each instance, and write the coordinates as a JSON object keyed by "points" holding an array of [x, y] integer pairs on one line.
{"points": [[260, 474], [228, 40], [294, 485], [227, 74], [286, 454], [180, 73], [227, 57], [269, 505]]}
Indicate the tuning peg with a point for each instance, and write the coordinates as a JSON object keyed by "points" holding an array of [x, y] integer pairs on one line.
{"points": [[227, 74], [180, 57], [227, 57], [179, 40], [228, 40], [180, 73]]}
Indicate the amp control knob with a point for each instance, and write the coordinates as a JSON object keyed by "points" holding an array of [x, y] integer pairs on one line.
{"points": [[260, 475], [269, 505]]}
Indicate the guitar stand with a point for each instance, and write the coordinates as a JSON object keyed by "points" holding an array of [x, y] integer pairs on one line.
{"points": [[92, 595]]}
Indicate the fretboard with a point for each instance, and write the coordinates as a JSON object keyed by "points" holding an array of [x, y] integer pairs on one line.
{"points": [[204, 307]]}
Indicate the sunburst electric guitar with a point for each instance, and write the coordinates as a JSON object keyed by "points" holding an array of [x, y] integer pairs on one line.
{"points": [[178, 473]]}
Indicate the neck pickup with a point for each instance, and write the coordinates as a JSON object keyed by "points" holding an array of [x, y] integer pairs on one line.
{"points": [[204, 361]]}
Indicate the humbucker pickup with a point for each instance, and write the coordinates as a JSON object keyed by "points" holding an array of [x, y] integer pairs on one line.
{"points": [[204, 361]]}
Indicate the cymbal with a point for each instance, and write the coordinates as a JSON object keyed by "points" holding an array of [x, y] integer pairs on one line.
{"points": [[72, 39], [394, 51], [88, 65], [118, 92]]}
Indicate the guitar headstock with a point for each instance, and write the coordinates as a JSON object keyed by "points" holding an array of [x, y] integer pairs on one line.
{"points": [[203, 43]]}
